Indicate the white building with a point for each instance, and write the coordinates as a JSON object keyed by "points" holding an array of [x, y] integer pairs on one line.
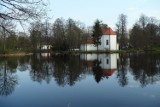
{"points": [[45, 47], [108, 41]]}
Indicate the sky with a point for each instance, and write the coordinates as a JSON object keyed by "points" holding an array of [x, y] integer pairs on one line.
{"points": [[87, 11]]}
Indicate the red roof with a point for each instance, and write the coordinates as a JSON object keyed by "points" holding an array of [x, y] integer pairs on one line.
{"points": [[108, 31], [105, 31], [108, 72]]}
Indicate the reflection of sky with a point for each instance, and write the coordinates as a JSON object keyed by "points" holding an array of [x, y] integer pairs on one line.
{"points": [[85, 93]]}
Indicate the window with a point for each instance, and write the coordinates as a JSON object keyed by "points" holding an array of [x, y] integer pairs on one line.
{"points": [[107, 61], [107, 42]]}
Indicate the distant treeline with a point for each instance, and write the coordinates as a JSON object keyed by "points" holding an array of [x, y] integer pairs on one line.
{"points": [[65, 35]]}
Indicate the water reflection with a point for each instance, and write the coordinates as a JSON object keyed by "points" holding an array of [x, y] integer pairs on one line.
{"points": [[69, 69], [145, 68], [102, 65], [123, 69], [8, 79]]}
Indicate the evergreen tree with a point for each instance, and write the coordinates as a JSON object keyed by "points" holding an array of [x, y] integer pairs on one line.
{"points": [[97, 33]]}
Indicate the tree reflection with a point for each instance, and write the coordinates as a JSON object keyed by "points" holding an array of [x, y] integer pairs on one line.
{"points": [[65, 69], [68, 69], [122, 70], [24, 63], [97, 71], [8, 80], [145, 68], [41, 68]]}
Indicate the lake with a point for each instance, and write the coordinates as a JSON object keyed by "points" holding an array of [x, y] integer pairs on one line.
{"points": [[85, 80]]}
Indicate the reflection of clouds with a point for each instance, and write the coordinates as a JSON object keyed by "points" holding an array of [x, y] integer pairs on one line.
{"points": [[24, 67], [157, 82], [133, 84], [153, 96], [149, 95]]}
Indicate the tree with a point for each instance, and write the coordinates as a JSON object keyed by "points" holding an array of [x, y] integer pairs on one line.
{"points": [[145, 33], [23, 42], [152, 31], [136, 37], [6, 28], [11, 42], [122, 30], [66, 34], [59, 38], [21, 10], [37, 33], [73, 34], [97, 33], [143, 21]]}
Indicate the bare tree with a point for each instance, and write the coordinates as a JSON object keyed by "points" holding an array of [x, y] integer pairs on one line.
{"points": [[122, 30], [145, 33], [152, 31], [136, 37], [36, 32], [59, 38], [21, 10], [73, 34]]}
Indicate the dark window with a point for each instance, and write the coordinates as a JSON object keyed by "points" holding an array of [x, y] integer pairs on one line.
{"points": [[107, 61], [107, 42]]}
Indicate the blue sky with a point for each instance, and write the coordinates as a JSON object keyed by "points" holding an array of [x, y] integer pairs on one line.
{"points": [[87, 11]]}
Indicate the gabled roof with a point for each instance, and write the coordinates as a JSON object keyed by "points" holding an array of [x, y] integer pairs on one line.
{"points": [[105, 31], [108, 31]]}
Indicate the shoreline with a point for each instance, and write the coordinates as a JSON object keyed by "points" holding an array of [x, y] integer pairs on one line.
{"points": [[82, 52], [15, 54]]}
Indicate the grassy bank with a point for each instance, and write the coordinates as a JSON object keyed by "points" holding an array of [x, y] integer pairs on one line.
{"points": [[109, 52], [23, 53], [15, 53]]}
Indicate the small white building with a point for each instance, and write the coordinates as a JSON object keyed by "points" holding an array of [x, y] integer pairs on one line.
{"points": [[45, 47], [108, 41]]}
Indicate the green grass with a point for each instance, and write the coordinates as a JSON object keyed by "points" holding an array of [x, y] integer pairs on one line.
{"points": [[155, 49]]}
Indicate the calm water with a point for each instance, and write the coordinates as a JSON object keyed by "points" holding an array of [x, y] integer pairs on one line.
{"points": [[86, 80]]}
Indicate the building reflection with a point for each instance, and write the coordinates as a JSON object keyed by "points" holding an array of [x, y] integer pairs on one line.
{"points": [[102, 65]]}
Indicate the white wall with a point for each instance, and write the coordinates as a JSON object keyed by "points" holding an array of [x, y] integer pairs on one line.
{"points": [[103, 45], [112, 44], [88, 47]]}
